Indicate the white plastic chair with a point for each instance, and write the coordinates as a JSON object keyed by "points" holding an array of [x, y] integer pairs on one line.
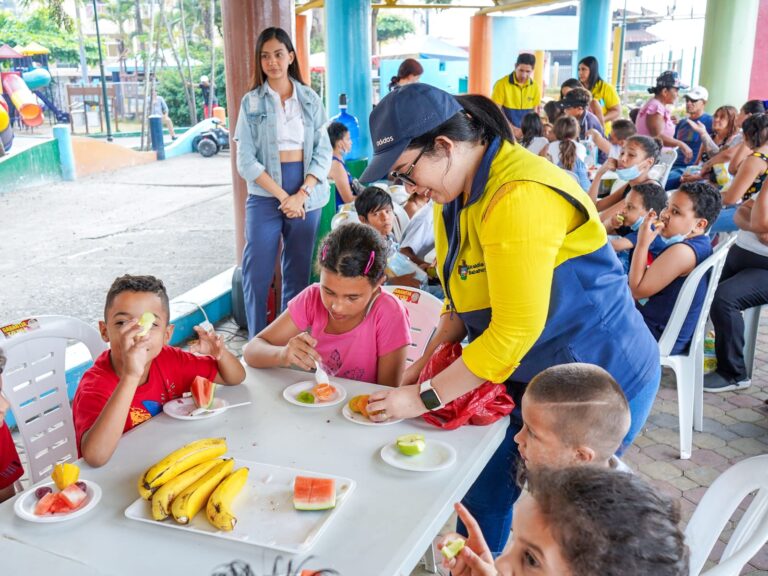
{"points": [[34, 381], [660, 171], [715, 510], [689, 367], [424, 313]]}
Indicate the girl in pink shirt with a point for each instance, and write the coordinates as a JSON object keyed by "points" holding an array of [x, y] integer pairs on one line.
{"points": [[654, 118], [345, 321]]}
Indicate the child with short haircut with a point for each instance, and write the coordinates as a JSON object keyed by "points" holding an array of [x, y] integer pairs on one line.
{"points": [[683, 224], [129, 383], [375, 208], [573, 414], [346, 321], [10, 463], [620, 130], [640, 200], [581, 521], [567, 152]]}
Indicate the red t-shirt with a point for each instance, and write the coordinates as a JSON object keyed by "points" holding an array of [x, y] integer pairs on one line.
{"points": [[170, 375], [10, 464]]}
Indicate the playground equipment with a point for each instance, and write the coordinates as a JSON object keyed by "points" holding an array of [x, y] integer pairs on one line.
{"points": [[22, 99]]}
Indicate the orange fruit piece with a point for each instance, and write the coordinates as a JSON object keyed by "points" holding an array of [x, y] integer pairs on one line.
{"points": [[358, 404], [323, 391]]}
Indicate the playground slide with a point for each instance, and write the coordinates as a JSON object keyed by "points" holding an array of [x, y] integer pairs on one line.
{"points": [[36, 78], [23, 99], [183, 145]]}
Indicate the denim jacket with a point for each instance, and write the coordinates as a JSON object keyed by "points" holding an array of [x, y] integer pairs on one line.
{"points": [[256, 136]]}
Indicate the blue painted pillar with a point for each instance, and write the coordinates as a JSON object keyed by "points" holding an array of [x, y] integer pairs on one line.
{"points": [[66, 154], [595, 33], [348, 64], [156, 135]]}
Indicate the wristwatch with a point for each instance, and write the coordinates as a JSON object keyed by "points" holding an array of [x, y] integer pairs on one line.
{"points": [[429, 396], [307, 189]]}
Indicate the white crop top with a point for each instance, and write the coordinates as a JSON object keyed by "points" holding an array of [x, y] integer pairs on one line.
{"points": [[290, 122]]}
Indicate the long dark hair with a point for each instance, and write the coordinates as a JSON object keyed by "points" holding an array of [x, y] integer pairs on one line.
{"points": [[274, 33], [480, 122], [753, 107], [408, 67], [729, 113], [567, 131], [354, 250], [755, 130], [531, 127], [594, 71]]}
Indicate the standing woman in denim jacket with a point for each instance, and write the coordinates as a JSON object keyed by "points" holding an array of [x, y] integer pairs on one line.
{"points": [[284, 155]]}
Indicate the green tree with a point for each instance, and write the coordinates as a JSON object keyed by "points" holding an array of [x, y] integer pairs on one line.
{"points": [[391, 27], [170, 88], [40, 27]]}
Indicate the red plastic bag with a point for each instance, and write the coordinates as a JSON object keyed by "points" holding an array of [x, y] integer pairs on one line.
{"points": [[478, 407]]}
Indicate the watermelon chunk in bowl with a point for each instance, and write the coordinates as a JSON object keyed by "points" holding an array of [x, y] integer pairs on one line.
{"points": [[314, 493], [203, 391]]}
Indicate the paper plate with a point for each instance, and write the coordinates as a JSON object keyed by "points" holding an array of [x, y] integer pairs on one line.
{"points": [[360, 419], [24, 507], [437, 455], [182, 408], [293, 390]]}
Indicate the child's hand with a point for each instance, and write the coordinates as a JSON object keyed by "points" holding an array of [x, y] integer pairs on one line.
{"points": [[208, 343], [475, 559], [610, 165], [617, 221], [593, 133], [135, 349], [649, 229], [300, 351]]}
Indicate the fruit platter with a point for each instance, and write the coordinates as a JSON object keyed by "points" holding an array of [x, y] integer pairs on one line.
{"points": [[310, 394], [198, 489], [65, 498], [356, 410]]}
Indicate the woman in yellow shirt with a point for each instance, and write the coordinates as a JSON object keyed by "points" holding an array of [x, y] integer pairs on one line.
{"points": [[525, 265], [602, 92]]}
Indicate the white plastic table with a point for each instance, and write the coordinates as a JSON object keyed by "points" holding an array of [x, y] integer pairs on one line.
{"points": [[384, 529]]}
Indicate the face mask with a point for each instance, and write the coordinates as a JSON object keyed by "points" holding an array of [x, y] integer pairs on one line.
{"points": [[673, 239], [636, 226], [628, 174]]}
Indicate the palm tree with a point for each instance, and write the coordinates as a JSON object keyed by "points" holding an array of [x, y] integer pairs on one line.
{"points": [[120, 12]]}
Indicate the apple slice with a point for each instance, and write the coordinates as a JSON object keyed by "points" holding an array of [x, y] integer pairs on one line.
{"points": [[451, 549], [411, 444]]}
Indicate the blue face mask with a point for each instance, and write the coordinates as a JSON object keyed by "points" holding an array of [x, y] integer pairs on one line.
{"points": [[628, 174], [636, 226], [673, 239]]}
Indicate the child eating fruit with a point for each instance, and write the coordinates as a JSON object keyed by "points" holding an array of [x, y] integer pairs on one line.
{"points": [[345, 321], [129, 383], [690, 212], [581, 521], [10, 463]]}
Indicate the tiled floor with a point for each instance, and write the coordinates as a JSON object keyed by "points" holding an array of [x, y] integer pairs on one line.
{"points": [[735, 427]]}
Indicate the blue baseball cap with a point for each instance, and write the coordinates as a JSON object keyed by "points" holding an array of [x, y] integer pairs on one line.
{"points": [[402, 115]]}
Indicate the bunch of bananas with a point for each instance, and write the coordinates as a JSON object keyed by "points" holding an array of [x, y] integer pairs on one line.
{"points": [[191, 477]]}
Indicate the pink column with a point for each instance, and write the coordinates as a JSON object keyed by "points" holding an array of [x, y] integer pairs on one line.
{"points": [[758, 84]]}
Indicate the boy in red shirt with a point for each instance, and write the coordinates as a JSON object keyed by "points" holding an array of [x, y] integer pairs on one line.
{"points": [[10, 465], [129, 383]]}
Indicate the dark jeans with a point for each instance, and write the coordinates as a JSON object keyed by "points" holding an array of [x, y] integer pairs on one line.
{"points": [[265, 225], [743, 285]]}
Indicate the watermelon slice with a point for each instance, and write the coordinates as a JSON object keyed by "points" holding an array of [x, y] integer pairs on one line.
{"points": [[60, 505], [74, 495], [202, 392], [43, 506], [314, 493]]}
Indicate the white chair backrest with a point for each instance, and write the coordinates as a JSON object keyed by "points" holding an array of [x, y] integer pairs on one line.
{"points": [[34, 381], [424, 313], [715, 510], [660, 171], [713, 265]]}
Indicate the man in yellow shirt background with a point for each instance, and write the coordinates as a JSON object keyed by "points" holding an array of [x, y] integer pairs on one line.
{"points": [[518, 94]]}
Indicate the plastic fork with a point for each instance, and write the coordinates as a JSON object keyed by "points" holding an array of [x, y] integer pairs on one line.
{"points": [[321, 377], [201, 411]]}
